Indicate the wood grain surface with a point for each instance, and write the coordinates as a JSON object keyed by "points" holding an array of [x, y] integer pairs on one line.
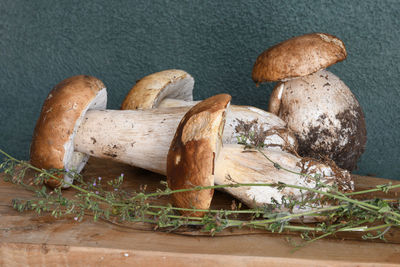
{"points": [[27, 239]]}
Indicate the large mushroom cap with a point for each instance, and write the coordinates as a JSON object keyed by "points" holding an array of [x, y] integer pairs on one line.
{"points": [[324, 115], [149, 91], [298, 56], [62, 112], [194, 150]]}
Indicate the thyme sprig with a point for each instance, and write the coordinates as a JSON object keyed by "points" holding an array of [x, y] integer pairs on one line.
{"points": [[110, 201]]}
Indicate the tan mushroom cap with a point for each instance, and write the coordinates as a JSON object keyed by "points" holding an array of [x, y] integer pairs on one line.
{"points": [[149, 91], [298, 56], [64, 107], [193, 152]]}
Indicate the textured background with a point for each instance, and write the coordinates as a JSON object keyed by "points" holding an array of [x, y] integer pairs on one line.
{"points": [[43, 42]]}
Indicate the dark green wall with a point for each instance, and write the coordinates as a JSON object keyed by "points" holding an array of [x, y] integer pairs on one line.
{"points": [[43, 42]]}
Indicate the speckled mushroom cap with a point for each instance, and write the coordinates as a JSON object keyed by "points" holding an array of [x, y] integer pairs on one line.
{"points": [[298, 56], [193, 152], [149, 91], [324, 115], [62, 112]]}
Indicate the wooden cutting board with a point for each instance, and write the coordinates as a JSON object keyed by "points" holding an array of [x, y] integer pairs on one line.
{"points": [[27, 239]]}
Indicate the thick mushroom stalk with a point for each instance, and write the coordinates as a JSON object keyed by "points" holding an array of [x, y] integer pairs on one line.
{"points": [[198, 158], [320, 109], [140, 138], [325, 116], [237, 165], [173, 88]]}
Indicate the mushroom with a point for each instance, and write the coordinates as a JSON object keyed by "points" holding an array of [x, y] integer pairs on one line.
{"points": [[173, 88], [197, 157], [321, 110], [74, 125]]}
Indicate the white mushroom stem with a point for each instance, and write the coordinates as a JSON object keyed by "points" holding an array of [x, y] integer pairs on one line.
{"points": [[236, 165], [242, 117], [172, 102], [139, 138], [142, 138], [325, 116]]}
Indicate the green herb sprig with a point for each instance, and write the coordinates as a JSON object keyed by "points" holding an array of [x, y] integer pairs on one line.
{"points": [[109, 201]]}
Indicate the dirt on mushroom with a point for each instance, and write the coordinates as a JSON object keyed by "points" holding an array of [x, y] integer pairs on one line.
{"points": [[345, 156]]}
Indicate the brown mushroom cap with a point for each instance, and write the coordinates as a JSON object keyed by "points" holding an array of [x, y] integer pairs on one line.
{"points": [[149, 91], [193, 152], [298, 56], [62, 112]]}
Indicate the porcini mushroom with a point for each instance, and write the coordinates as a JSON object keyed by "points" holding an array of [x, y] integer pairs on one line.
{"points": [[74, 125], [198, 158], [173, 88], [325, 116]]}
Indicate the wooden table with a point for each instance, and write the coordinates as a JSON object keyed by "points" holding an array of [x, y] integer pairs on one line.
{"points": [[27, 239]]}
